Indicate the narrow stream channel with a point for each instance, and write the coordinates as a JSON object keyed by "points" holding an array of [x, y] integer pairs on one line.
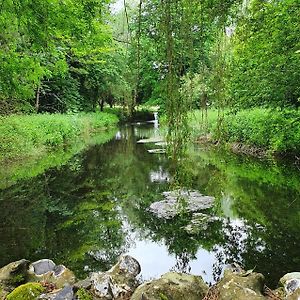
{"points": [[87, 212]]}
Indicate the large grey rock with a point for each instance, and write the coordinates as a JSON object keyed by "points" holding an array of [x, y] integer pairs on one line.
{"points": [[66, 293], [291, 284], [46, 270], [178, 200], [43, 266], [247, 286], [117, 283], [173, 286]]}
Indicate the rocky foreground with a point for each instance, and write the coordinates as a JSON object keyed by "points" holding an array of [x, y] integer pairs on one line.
{"points": [[44, 280]]}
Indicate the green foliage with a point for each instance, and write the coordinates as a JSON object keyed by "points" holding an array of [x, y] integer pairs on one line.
{"points": [[17, 279], [34, 134], [57, 56], [265, 67], [28, 291], [82, 294], [274, 130]]}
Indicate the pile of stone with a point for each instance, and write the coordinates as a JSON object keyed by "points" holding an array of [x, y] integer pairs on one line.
{"points": [[44, 280]]}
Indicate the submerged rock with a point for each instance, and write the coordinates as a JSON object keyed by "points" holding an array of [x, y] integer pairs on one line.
{"points": [[151, 140], [173, 286], [157, 151], [241, 286], [200, 222], [191, 201], [291, 284], [46, 270], [117, 283]]}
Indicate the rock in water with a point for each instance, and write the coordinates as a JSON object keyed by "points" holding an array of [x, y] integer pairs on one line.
{"points": [[173, 286], [200, 222], [117, 283], [151, 140], [241, 286], [47, 270], [191, 201]]}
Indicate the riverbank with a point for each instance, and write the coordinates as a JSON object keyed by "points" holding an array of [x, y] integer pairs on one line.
{"points": [[255, 131], [45, 280], [24, 136]]}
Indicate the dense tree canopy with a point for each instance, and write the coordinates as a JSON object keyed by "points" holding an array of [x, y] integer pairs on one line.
{"points": [[62, 56]]}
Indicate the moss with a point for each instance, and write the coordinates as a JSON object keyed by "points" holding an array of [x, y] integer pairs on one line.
{"points": [[82, 294], [28, 291], [163, 297]]}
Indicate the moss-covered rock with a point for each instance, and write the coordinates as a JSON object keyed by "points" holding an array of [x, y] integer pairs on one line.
{"points": [[241, 286], [28, 291], [172, 286]]}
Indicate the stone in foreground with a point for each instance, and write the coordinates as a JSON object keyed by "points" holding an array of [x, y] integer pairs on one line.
{"points": [[192, 201], [10, 271], [291, 285], [173, 286], [117, 283], [12, 275], [46, 270], [241, 286]]}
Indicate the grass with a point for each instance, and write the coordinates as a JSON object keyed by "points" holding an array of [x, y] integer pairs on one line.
{"points": [[276, 131], [33, 135]]}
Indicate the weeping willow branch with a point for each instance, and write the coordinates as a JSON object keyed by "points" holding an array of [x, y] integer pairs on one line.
{"points": [[127, 21], [138, 58]]}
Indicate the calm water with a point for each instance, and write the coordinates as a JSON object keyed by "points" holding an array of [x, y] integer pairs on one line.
{"points": [[90, 210]]}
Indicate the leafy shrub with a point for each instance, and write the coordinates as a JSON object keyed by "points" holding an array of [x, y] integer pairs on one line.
{"points": [[275, 130]]}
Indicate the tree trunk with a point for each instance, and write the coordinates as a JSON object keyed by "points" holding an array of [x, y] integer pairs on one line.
{"points": [[101, 104], [37, 99]]}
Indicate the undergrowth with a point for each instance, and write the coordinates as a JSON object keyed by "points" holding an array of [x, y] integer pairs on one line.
{"points": [[29, 135], [277, 131]]}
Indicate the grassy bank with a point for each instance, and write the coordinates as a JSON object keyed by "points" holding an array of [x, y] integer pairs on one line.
{"points": [[35, 135], [277, 132]]}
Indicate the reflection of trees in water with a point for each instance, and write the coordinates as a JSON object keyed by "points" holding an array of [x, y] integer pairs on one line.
{"points": [[183, 262], [72, 216]]}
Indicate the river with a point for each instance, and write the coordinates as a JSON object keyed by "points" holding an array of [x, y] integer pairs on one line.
{"points": [[89, 210]]}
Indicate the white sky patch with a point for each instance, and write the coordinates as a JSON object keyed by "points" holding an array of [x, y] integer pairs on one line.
{"points": [[117, 6]]}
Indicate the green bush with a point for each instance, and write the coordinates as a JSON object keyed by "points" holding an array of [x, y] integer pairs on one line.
{"points": [[277, 131]]}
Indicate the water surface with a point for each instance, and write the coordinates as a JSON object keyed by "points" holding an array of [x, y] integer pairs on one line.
{"points": [[88, 211]]}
